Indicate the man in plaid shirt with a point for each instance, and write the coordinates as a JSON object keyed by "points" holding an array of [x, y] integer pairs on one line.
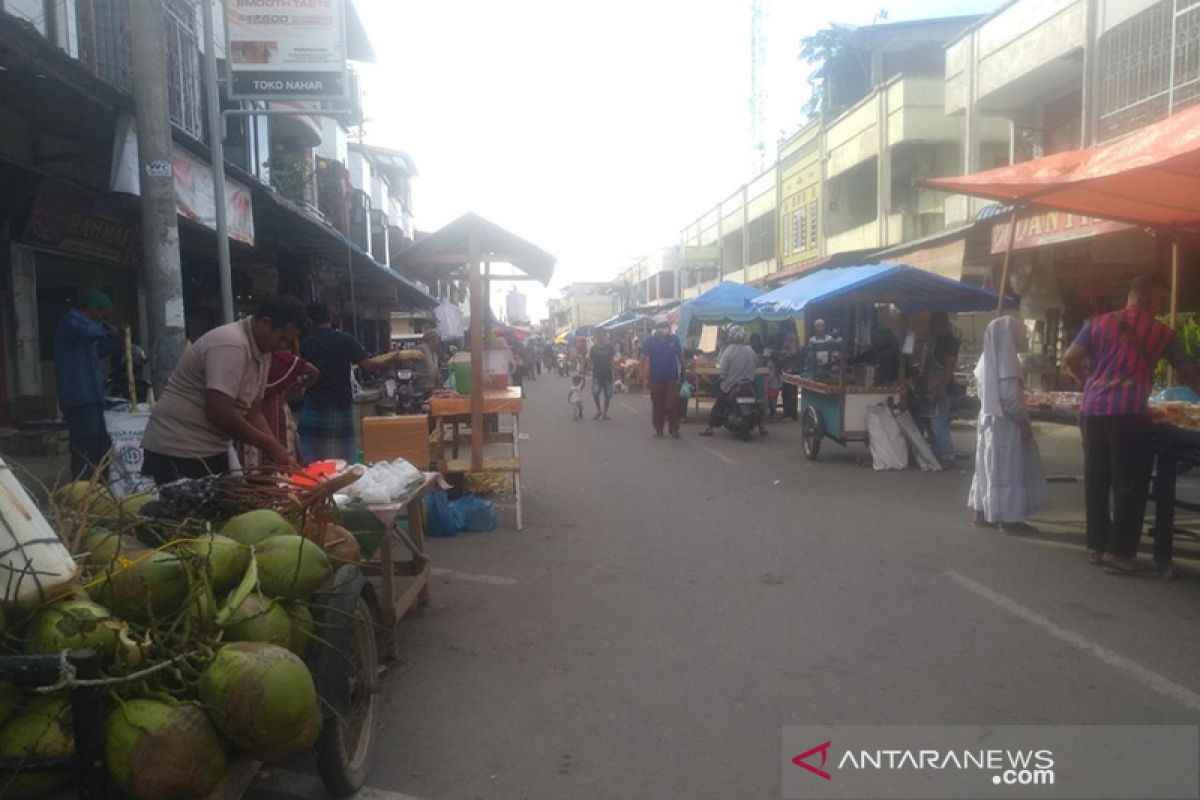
{"points": [[1122, 350]]}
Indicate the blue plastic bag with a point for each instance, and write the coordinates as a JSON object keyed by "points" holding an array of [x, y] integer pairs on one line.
{"points": [[444, 520], [1175, 393], [478, 515]]}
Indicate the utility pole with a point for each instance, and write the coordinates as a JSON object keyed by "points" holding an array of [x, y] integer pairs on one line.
{"points": [[216, 144], [160, 227]]}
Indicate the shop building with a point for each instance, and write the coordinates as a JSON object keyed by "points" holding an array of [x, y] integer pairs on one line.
{"points": [[1067, 74], [652, 282], [740, 231], [69, 215]]}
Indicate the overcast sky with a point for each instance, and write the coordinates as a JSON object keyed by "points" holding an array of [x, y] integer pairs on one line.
{"points": [[595, 130]]}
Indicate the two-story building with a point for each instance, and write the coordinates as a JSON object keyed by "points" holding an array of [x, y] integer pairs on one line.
{"points": [[652, 282], [583, 303], [70, 218], [738, 235], [1064, 74]]}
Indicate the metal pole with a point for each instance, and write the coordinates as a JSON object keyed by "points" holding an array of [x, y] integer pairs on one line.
{"points": [[1174, 294], [1012, 232], [216, 144]]}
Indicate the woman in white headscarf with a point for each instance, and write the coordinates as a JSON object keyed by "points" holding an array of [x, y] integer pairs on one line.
{"points": [[1009, 483]]}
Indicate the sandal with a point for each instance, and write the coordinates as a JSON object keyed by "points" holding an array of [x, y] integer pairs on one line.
{"points": [[980, 521], [1132, 569], [1018, 527], [706, 433], [1095, 558]]}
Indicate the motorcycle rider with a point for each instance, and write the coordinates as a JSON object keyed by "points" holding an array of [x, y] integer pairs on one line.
{"points": [[738, 363]]}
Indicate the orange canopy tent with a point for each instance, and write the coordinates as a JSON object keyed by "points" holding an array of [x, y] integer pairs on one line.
{"points": [[1151, 178]]}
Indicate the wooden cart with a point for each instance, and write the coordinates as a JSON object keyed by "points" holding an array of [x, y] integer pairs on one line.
{"points": [[836, 411]]}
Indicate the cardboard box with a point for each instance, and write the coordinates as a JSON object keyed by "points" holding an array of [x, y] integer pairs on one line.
{"points": [[389, 438]]}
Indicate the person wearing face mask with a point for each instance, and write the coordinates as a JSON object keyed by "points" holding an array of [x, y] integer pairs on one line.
{"points": [[663, 358], [1009, 483]]}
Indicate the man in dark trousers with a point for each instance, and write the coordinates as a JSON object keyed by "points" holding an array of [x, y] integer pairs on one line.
{"points": [[327, 426], [664, 358], [602, 356], [82, 338], [1122, 350]]}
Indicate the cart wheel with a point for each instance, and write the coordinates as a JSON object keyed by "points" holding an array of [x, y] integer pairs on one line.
{"points": [[811, 432], [344, 747]]}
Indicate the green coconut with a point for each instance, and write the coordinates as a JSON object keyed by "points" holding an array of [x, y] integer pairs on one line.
{"points": [[162, 751], [41, 728], [302, 627], [144, 585], [227, 560], [84, 495], [259, 619], [103, 547], [72, 625], [10, 699], [134, 503], [261, 697], [255, 526], [291, 567]]}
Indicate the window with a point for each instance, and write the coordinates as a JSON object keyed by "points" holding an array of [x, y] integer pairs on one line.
{"points": [[1135, 71], [799, 231], [812, 224]]}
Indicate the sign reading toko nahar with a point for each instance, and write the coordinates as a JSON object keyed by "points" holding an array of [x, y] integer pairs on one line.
{"points": [[286, 49]]}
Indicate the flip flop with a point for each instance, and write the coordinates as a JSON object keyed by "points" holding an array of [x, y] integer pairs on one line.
{"points": [[706, 433], [1095, 558], [1018, 527]]}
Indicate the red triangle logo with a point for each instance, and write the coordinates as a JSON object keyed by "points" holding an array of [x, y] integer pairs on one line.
{"points": [[802, 760]]}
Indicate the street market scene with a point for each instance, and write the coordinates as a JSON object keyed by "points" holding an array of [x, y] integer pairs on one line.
{"points": [[323, 476]]}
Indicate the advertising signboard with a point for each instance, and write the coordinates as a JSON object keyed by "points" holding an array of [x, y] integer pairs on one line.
{"points": [[286, 49]]}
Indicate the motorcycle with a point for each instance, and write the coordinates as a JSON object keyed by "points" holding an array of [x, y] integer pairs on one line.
{"points": [[743, 412], [560, 364], [412, 392]]}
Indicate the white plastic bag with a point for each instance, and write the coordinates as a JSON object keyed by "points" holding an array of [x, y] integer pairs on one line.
{"points": [[889, 448]]}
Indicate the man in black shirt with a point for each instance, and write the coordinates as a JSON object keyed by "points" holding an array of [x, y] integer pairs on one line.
{"points": [[327, 427], [602, 356]]}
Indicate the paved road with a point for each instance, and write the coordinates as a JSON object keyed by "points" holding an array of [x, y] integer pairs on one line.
{"points": [[671, 604]]}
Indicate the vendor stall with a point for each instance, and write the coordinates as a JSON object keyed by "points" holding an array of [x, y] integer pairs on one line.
{"points": [[1150, 178], [467, 249], [724, 303], [217, 652], [835, 392]]}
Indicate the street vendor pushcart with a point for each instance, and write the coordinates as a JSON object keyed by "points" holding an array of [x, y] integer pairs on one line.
{"points": [[834, 394]]}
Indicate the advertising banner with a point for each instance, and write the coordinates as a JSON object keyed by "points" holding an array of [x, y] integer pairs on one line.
{"points": [[286, 49], [195, 197], [1038, 228]]}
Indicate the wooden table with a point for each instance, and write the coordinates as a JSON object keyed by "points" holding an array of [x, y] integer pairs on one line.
{"points": [[393, 603], [454, 412]]}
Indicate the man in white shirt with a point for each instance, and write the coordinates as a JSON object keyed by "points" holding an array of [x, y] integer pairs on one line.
{"points": [[822, 344]]}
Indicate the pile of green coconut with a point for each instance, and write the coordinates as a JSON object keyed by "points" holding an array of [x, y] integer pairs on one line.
{"points": [[202, 629]]}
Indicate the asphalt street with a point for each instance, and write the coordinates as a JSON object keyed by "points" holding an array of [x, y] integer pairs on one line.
{"points": [[671, 605]]}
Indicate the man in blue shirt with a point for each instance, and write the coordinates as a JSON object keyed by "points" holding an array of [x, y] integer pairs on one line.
{"points": [[82, 338], [663, 357]]}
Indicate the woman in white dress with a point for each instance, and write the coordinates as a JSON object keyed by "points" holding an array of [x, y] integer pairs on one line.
{"points": [[1009, 483]]}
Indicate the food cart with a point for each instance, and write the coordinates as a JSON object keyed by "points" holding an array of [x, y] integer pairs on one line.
{"points": [[834, 397]]}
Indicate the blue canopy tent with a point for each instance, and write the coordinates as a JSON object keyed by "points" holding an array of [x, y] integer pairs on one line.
{"points": [[617, 320], [909, 288], [725, 302], [829, 407]]}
